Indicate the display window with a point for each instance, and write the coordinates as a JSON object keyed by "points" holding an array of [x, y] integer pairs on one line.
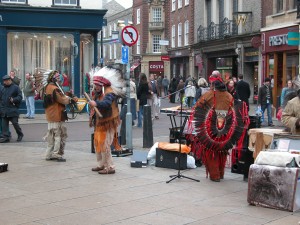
{"points": [[29, 52]]}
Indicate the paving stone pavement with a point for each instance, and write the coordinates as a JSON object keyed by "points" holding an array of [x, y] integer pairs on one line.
{"points": [[39, 192]]}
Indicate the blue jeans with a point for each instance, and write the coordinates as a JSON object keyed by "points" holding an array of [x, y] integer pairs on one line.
{"points": [[140, 116], [30, 106], [268, 106]]}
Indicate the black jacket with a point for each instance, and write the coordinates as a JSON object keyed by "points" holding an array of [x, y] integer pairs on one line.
{"points": [[243, 91], [10, 109], [262, 95], [142, 93]]}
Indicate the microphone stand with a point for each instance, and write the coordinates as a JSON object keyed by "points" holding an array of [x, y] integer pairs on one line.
{"points": [[179, 175]]}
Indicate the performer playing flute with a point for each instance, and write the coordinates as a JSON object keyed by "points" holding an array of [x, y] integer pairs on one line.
{"points": [[107, 87], [55, 102]]}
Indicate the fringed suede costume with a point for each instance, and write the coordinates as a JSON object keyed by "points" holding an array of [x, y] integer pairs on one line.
{"points": [[55, 105], [108, 87], [219, 123]]}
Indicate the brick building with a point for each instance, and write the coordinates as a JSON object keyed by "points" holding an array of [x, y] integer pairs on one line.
{"points": [[150, 18]]}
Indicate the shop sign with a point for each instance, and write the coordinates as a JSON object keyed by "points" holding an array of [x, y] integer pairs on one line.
{"points": [[157, 66], [278, 40], [165, 58]]}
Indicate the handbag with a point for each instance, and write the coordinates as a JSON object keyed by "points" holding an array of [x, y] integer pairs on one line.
{"points": [[37, 95], [137, 104]]}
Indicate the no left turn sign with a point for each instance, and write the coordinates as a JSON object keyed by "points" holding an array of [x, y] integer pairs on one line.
{"points": [[129, 35]]}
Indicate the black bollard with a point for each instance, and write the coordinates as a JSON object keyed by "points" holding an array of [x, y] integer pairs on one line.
{"points": [[147, 128], [123, 124]]}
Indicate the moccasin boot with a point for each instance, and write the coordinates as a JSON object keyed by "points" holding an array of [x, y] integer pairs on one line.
{"points": [[107, 171], [98, 168]]}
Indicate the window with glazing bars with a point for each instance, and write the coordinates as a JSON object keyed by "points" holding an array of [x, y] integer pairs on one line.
{"points": [[65, 2], [173, 37], [179, 36], [155, 42], [14, 1], [156, 14], [279, 6], [186, 32]]}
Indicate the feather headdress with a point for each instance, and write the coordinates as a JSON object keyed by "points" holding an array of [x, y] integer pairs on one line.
{"points": [[112, 75], [40, 78]]}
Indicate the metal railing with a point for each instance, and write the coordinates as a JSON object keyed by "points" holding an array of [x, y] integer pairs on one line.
{"points": [[217, 31]]}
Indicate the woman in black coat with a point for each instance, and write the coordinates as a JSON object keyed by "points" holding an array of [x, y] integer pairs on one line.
{"points": [[172, 89], [142, 92]]}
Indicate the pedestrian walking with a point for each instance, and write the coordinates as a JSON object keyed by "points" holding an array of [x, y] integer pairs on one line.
{"points": [[165, 84], [243, 90], [265, 100], [142, 92], [172, 90], [55, 102], [202, 89], [231, 89], [29, 93], [153, 97], [190, 92], [289, 88], [14, 78], [11, 98]]}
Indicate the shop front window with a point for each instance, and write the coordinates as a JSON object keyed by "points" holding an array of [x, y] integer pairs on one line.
{"points": [[224, 66], [292, 63], [31, 52]]}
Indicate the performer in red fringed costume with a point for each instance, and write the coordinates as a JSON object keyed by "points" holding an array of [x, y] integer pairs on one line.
{"points": [[219, 122]]}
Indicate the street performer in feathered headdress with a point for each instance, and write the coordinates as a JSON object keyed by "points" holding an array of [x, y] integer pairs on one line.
{"points": [[108, 86], [55, 102], [219, 123]]}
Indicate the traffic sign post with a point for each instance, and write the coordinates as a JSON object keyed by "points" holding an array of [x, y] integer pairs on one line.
{"points": [[129, 37], [125, 52]]}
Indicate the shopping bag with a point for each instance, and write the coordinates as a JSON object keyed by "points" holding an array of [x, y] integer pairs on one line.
{"points": [[279, 114], [137, 102]]}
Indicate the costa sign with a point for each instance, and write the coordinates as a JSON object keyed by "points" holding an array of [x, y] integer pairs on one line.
{"points": [[157, 66]]}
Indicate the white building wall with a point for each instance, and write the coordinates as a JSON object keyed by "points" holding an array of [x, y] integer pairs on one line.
{"points": [[84, 4], [91, 4], [43, 3]]}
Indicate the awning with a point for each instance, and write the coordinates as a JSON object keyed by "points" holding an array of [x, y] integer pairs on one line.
{"points": [[135, 65]]}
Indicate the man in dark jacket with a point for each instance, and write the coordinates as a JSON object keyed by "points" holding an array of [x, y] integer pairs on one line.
{"points": [[265, 99], [11, 98], [243, 90]]}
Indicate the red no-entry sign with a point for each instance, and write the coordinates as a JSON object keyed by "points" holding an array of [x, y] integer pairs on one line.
{"points": [[129, 35]]}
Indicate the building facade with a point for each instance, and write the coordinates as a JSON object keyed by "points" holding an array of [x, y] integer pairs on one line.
{"points": [[112, 42], [48, 35], [228, 39], [150, 53], [181, 37], [280, 59]]}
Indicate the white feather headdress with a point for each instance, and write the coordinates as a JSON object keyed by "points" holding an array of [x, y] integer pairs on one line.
{"points": [[114, 76]]}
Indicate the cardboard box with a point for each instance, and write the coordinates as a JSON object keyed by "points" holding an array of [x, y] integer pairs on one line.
{"points": [[274, 187], [170, 159]]}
